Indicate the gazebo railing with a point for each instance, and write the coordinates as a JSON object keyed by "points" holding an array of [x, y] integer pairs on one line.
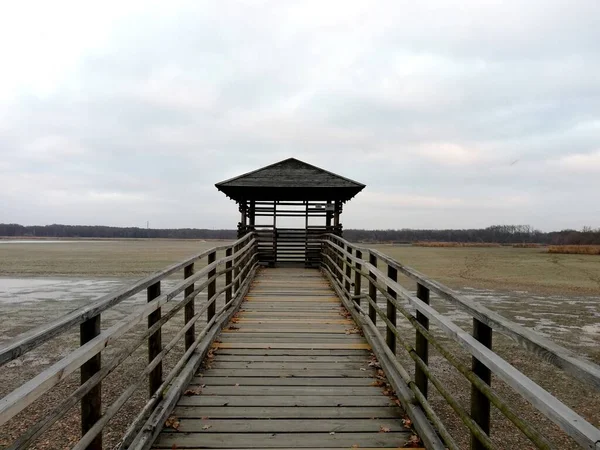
{"points": [[351, 267], [226, 274]]}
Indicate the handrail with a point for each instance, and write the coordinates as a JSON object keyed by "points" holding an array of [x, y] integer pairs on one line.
{"points": [[238, 265], [544, 348], [31, 339], [341, 259]]}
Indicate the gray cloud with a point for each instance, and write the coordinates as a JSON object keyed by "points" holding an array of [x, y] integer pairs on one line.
{"points": [[454, 116]]}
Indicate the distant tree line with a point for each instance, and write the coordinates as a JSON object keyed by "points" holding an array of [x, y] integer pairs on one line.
{"points": [[502, 234], [97, 231]]}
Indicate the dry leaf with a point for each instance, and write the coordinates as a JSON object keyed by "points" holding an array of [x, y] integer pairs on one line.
{"points": [[172, 422], [383, 429], [233, 327], [407, 423], [355, 446], [206, 427], [204, 417], [332, 432], [414, 442], [237, 384], [196, 391]]}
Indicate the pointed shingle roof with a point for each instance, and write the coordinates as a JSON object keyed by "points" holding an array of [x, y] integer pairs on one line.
{"points": [[290, 179]]}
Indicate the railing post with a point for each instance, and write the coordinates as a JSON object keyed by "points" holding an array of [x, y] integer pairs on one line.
{"points": [[228, 275], [340, 265], [390, 337], [154, 342], [480, 405], [348, 270], [372, 289], [357, 278], [236, 270], [189, 311], [421, 343], [91, 403], [211, 289]]}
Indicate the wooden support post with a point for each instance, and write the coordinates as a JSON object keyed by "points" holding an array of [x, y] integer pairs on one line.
{"points": [[480, 405], [348, 271], [421, 344], [236, 270], [211, 289], [189, 311], [91, 403], [228, 276], [372, 290], [390, 337], [358, 277], [154, 342]]}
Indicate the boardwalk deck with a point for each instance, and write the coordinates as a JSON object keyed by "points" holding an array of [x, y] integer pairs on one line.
{"points": [[286, 374]]}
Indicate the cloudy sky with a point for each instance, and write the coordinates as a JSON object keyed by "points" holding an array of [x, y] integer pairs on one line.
{"points": [[454, 114]]}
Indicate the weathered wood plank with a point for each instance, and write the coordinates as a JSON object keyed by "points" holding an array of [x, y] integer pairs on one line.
{"points": [[287, 365], [292, 352], [288, 412], [277, 400], [329, 373], [293, 358], [242, 390], [278, 381], [288, 425], [270, 440], [290, 345]]}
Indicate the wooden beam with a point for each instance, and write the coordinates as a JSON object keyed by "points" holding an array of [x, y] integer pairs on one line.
{"points": [[91, 403]]}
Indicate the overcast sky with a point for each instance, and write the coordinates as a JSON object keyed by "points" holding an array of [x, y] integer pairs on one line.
{"points": [[454, 114]]}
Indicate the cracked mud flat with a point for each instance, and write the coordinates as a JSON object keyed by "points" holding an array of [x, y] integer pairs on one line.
{"points": [[558, 299]]}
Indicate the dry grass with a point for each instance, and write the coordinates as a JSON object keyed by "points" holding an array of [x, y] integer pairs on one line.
{"points": [[527, 245], [455, 244], [575, 249]]}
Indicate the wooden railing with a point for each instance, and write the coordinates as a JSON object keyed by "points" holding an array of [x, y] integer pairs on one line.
{"points": [[227, 275], [350, 267]]}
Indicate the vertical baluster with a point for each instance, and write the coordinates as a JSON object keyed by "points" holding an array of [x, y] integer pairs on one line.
{"points": [[212, 288], [91, 403], [189, 311], [390, 337], [358, 277], [154, 341], [421, 344], [228, 275], [372, 289], [480, 405], [348, 270], [236, 270]]}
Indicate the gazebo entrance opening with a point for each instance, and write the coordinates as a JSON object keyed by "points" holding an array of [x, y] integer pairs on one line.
{"points": [[290, 204]]}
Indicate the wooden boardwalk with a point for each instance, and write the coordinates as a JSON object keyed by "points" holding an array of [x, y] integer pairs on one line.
{"points": [[289, 371]]}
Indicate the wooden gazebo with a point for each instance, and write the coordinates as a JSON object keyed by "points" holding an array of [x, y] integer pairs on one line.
{"points": [[289, 204]]}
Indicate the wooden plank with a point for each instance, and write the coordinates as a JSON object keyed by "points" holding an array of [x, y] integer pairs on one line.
{"points": [[278, 381], [290, 345], [287, 365], [274, 440], [291, 338], [289, 412], [321, 425], [280, 331], [293, 358], [292, 352], [242, 390], [330, 373], [287, 400]]}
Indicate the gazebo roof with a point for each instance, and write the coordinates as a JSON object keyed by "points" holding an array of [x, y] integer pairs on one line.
{"points": [[290, 179]]}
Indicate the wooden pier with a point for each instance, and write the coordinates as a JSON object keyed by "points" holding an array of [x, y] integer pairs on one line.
{"points": [[290, 370]]}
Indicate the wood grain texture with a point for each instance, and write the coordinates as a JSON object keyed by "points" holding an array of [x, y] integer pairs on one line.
{"points": [[279, 378]]}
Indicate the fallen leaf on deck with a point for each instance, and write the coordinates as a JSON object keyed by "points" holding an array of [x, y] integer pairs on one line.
{"points": [[332, 433], [413, 442], [407, 423], [206, 427], [172, 422], [384, 429], [196, 391]]}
